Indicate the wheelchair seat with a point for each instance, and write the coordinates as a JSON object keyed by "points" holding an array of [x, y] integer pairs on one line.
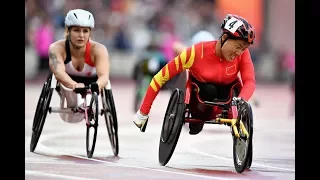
{"points": [[224, 92]]}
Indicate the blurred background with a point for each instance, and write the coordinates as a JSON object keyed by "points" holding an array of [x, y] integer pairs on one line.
{"points": [[126, 27], [129, 28], [136, 31]]}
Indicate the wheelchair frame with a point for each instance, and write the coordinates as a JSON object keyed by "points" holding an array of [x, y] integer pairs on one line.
{"points": [[108, 111], [232, 113], [223, 104]]}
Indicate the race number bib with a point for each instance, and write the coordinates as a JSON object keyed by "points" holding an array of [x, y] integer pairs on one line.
{"points": [[233, 24]]}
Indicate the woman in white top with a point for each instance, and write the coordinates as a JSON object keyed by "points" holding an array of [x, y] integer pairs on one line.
{"points": [[77, 60]]}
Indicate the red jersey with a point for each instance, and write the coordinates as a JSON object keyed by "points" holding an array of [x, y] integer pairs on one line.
{"points": [[205, 66]]}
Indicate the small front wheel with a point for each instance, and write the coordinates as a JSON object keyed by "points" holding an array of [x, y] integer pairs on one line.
{"points": [[242, 148]]}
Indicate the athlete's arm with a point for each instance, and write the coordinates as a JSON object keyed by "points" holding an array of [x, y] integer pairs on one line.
{"points": [[247, 76], [57, 66], [180, 63], [101, 60], [178, 47]]}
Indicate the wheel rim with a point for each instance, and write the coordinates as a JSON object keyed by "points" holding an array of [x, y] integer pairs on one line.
{"points": [[242, 145], [111, 129], [38, 110], [110, 122], [170, 117], [41, 113], [93, 120]]}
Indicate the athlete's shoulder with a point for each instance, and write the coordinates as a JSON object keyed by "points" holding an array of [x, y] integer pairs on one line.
{"points": [[57, 46], [209, 44], [205, 45], [97, 47], [245, 54], [95, 44]]}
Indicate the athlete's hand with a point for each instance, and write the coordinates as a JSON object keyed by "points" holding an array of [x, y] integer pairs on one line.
{"points": [[78, 85], [239, 100], [241, 104], [140, 120]]}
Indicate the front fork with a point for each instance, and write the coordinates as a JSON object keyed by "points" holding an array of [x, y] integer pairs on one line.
{"points": [[236, 122]]}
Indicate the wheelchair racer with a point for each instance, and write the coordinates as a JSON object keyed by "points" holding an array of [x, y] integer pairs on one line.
{"points": [[77, 61], [212, 64], [201, 36]]}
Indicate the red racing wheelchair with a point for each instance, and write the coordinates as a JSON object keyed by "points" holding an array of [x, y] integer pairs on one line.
{"points": [[181, 109]]}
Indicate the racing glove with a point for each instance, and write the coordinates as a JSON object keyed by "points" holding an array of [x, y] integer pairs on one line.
{"points": [[241, 104], [140, 121], [239, 100]]}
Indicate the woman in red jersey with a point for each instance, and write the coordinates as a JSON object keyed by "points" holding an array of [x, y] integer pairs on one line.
{"points": [[213, 65]]}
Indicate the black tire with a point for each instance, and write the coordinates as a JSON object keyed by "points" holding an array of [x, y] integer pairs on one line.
{"points": [[245, 146], [110, 116], [93, 115], [250, 154], [171, 127], [250, 150], [41, 112]]}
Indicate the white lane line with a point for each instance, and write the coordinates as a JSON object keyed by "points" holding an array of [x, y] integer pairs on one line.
{"points": [[190, 147], [56, 176], [47, 137], [195, 150]]}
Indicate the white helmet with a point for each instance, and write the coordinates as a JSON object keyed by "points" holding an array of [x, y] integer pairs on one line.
{"points": [[202, 36], [79, 17]]}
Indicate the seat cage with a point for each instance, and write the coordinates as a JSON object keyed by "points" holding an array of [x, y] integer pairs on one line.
{"points": [[193, 87]]}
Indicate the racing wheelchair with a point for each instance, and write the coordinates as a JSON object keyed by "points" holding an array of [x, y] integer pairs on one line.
{"points": [[230, 112], [91, 113]]}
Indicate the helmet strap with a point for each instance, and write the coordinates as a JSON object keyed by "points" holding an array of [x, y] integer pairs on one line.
{"points": [[69, 37], [225, 40]]}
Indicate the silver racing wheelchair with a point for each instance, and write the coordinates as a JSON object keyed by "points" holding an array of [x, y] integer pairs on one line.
{"points": [[90, 113]]}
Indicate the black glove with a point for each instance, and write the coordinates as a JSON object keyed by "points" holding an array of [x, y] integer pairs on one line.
{"points": [[239, 100], [241, 104], [94, 87]]}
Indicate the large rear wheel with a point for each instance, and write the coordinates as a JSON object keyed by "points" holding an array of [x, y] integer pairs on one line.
{"points": [[41, 112], [110, 116], [93, 115], [171, 127]]}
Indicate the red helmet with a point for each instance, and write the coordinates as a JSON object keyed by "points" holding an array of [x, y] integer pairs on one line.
{"points": [[237, 27]]}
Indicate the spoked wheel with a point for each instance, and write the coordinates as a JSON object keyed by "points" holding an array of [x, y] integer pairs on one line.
{"points": [[93, 113], [110, 116], [41, 112], [171, 127], [242, 147]]}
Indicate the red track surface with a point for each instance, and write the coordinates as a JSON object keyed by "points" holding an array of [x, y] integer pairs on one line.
{"points": [[61, 152]]}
